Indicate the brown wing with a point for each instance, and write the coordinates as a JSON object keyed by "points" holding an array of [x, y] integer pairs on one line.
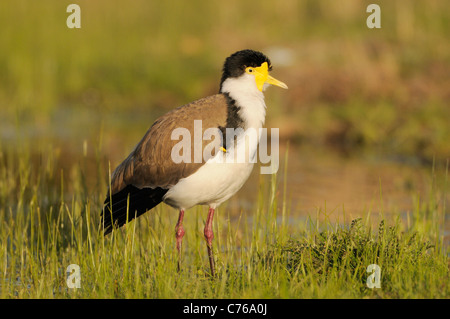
{"points": [[150, 163]]}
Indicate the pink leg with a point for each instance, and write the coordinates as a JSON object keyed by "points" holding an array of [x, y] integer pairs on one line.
{"points": [[209, 235], [179, 233]]}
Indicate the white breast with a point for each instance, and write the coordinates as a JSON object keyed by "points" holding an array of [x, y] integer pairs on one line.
{"points": [[219, 178], [211, 185]]}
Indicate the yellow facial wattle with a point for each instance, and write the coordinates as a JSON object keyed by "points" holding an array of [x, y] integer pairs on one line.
{"points": [[262, 76]]}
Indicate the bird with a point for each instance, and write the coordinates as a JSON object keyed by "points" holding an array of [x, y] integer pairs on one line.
{"points": [[153, 173]]}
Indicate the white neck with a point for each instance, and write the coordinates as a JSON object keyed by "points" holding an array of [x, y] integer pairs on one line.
{"points": [[247, 96]]}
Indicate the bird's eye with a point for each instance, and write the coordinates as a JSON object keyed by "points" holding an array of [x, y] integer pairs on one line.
{"points": [[249, 70]]}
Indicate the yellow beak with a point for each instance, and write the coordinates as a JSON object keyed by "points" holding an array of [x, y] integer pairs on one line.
{"points": [[262, 76]]}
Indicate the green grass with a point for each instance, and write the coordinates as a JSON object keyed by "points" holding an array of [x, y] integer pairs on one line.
{"points": [[334, 263], [45, 227]]}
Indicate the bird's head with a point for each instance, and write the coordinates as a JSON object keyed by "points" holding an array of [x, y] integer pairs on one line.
{"points": [[248, 69]]}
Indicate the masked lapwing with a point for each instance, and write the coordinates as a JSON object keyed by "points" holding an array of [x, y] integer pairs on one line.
{"points": [[151, 175]]}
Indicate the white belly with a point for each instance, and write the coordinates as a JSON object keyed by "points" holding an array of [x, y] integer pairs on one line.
{"points": [[212, 184]]}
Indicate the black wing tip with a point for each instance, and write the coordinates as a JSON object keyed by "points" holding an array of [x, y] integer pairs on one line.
{"points": [[127, 204]]}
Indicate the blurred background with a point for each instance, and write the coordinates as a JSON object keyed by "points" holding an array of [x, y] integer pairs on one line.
{"points": [[367, 110]]}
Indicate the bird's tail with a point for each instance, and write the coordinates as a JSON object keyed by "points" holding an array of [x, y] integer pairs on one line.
{"points": [[127, 204]]}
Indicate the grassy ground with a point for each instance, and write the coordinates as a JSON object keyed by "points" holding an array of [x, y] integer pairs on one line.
{"points": [[259, 254]]}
